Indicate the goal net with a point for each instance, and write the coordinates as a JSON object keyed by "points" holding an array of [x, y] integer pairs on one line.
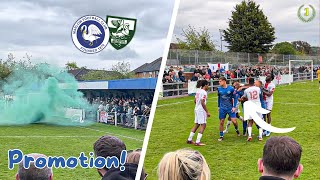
{"points": [[301, 70]]}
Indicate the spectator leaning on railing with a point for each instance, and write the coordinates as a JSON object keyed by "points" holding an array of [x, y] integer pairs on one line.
{"points": [[122, 108]]}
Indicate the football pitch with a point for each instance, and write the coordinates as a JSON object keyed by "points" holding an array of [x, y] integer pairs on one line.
{"points": [[61, 141], [296, 105]]}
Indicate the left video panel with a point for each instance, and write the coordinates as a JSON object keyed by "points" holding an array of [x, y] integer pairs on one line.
{"points": [[77, 81]]}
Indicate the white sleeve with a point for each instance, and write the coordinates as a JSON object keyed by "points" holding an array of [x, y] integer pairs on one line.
{"points": [[245, 93], [271, 87], [204, 95]]}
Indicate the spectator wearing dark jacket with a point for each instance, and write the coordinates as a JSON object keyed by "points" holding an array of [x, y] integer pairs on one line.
{"points": [[108, 146]]}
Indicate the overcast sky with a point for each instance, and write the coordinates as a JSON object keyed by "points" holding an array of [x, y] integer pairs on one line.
{"points": [[214, 15], [42, 28]]}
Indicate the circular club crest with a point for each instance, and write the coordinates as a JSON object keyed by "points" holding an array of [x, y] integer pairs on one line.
{"points": [[90, 34]]}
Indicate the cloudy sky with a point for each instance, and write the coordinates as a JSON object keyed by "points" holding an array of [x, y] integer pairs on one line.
{"points": [[42, 28], [282, 15]]}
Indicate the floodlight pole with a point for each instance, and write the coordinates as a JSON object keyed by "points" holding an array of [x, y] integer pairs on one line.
{"points": [[220, 38]]}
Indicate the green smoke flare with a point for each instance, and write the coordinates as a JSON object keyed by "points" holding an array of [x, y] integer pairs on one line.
{"points": [[42, 93]]}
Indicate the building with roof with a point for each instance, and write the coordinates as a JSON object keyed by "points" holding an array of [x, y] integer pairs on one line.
{"points": [[79, 73], [149, 70]]}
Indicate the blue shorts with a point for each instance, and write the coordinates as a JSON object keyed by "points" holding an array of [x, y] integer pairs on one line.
{"points": [[223, 113]]}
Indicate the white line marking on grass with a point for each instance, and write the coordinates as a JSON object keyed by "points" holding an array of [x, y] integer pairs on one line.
{"points": [[114, 134], [300, 90], [307, 104], [168, 104], [48, 136]]}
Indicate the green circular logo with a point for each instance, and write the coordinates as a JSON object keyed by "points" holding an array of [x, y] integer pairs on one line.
{"points": [[306, 13]]}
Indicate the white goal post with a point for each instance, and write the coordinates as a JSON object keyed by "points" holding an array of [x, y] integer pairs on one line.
{"points": [[302, 61]]}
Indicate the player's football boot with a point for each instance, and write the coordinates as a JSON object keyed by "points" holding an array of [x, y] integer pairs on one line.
{"points": [[221, 138], [268, 133], [238, 133], [260, 138], [199, 144], [225, 131], [190, 142], [249, 138]]}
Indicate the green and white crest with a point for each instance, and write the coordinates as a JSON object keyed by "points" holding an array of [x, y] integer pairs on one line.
{"points": [[121, 30]]}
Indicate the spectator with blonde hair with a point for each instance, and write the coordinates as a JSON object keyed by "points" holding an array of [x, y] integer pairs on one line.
{"points": [[183, 164], [133, 157]]}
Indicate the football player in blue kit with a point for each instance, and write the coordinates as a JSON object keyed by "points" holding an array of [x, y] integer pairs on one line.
{"points": [[239, 92], [227, 103]]}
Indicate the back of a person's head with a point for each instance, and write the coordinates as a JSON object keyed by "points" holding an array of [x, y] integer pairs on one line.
{"points": [[184, 164], [251, 80], [133, 158], [34, 173], [109, 146], [281, 156]]}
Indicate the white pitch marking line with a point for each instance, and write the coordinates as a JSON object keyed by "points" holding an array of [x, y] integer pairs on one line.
{"points": [[308, 104], [168, 104], [118, 135]]}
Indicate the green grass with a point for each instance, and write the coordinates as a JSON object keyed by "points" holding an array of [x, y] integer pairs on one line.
{"points": [[234, 158], [60, 141]]}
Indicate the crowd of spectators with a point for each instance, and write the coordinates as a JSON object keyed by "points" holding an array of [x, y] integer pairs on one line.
{"points": [[205, 72], [175, 77], [125, 108]]}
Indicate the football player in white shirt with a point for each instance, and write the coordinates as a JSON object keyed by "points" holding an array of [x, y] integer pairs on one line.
{"points": [[253, 94], [200, 111], [268, 91]]}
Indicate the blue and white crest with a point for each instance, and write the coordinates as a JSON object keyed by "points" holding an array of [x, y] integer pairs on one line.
{"points": [[90, 34]]}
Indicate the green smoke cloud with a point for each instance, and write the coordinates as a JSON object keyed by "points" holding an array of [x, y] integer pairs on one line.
{"points": [[42, 93]]}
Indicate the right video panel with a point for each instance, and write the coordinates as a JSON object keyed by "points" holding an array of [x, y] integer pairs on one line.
{"points": [[240, 93]]}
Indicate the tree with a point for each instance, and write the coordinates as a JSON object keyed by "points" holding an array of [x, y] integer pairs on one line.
{"points": [[302, 46], [196, 40], [123, 68], [120, 70], [8, 65], [284, 48], [101, 75], [71, 66], [249, 29]]}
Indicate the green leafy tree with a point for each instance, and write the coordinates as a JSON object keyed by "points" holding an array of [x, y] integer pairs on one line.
{"points": [[71, 66], [284, 48], [123, 68], [8, 65], [196, 40], [302, 46], [120, 70], [101, 75], [249, 29]]}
